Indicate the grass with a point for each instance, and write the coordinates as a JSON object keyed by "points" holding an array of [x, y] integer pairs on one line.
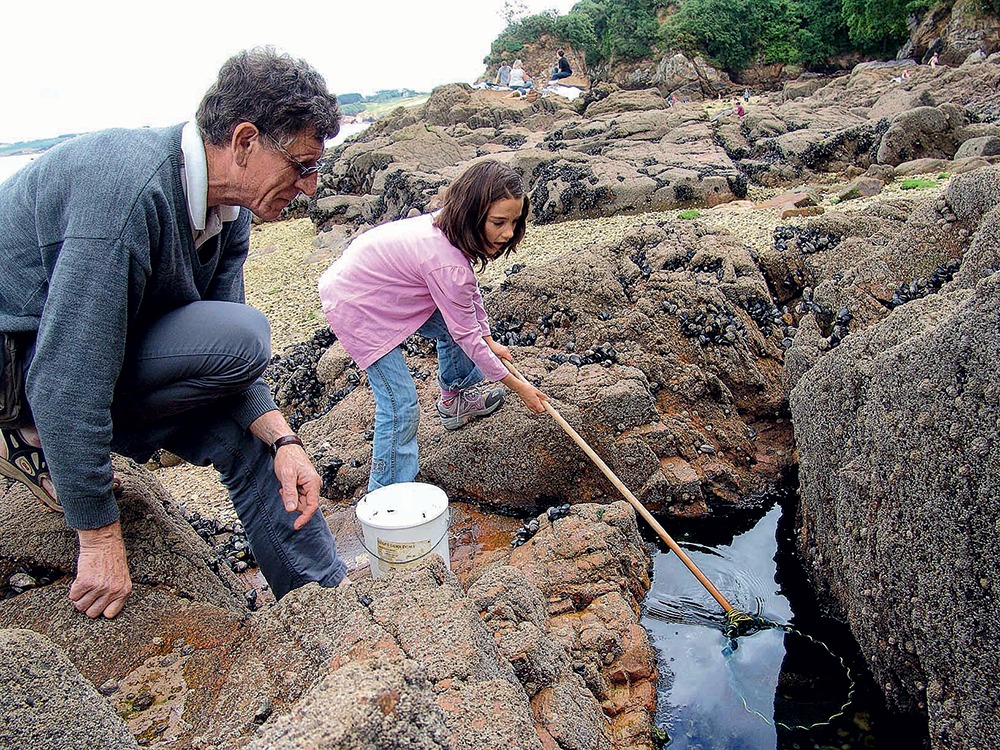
{"points": [[689, 213], [380, 109], [916, 184]]}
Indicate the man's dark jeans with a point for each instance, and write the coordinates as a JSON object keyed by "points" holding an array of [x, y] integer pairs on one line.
{"points": [[177, 390]]}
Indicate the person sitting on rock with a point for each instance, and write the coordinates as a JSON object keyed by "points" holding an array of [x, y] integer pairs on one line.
{"points": [[562, 68], [503, 75], [122, 302], [416, 275], [933, 61], [519, 80]]}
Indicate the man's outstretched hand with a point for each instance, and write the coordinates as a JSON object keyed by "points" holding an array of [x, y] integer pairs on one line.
{"points": [[102, 581], [300, 483]]}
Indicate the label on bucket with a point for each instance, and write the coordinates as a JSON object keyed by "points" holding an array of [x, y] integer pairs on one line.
{"points": [[402, 552]]}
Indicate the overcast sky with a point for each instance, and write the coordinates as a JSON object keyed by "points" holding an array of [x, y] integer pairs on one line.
{"points": [[69, 67]]}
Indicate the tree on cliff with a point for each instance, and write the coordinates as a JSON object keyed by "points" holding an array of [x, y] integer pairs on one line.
{"points": [[603, 30], [880, 25], [732, 33], [737, 33]]}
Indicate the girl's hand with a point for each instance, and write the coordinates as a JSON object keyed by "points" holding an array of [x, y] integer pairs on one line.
{"points": [[533, 398], [498, 349]]}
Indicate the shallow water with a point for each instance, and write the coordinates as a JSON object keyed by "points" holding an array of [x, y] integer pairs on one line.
{"points": [[777, 689]]}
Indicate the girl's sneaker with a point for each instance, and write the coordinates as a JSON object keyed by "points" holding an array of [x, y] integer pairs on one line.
{"points": [[475, 401]]}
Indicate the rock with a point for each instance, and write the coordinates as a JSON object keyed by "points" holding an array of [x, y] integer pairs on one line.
{"points": [[922, 132], [974, 195], [803, 87], [863, 187], [958, 31], [988, 145], [789, 213], [922, 166], [893, 537], [167, 459], [897, 100], [47, 704], [595, 618], [902, 386]]}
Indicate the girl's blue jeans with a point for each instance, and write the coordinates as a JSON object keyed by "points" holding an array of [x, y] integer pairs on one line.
{"points": [[397, 414]]}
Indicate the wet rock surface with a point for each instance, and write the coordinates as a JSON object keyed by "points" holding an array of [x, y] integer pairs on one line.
{"points": [[47, 704], [896, 437], [404, 660]]}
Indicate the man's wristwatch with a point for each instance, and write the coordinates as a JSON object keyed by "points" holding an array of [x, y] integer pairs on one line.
{"points": [[285, 440]]}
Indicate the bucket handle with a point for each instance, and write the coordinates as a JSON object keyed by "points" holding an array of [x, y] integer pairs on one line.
{"points": [[447, 528]]}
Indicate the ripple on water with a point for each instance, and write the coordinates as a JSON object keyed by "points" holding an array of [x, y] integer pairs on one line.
{"points": [[714, 698]]}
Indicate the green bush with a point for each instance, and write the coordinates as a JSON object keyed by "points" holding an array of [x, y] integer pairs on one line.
{"points": [[737, 33], [880, 25]]}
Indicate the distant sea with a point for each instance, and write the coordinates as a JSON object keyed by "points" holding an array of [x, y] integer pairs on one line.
{"points": [[10, 164]]}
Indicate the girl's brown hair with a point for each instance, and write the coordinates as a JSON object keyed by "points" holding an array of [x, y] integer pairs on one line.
{"points": [[467, 204]]}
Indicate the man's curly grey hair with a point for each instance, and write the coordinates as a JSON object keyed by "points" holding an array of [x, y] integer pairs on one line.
{"points": [[279, 94]]}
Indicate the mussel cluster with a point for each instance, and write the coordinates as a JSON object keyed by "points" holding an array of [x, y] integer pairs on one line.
{"points": [[530, 528], [580, 189], [680, 262], [328, 473], [639, 258], [419, 346], [922, 287], [557, 317], [292, 379], [713, 325], [834, 326], [839, 329], [763, 312], [806, 240], [709, 266], [514, 269], [228, 541], [604, 354], [27, 577], [507, 331]]}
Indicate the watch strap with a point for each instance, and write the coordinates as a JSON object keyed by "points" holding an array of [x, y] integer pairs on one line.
{"points": [[285, 440]]}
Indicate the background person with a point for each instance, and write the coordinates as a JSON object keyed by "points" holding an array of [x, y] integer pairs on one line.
{"points": [[503, 74], [562, 68], [122, 284], [519, 80], [416, 276]]}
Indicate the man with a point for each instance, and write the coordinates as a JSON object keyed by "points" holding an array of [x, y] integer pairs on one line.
{"points": [[121, 283], [503, 74]]}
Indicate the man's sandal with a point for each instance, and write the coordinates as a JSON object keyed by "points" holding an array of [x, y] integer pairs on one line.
{"points": [[25, 463]]}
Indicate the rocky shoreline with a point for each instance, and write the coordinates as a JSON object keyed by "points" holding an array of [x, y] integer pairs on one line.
{"points": [[709, 303]]}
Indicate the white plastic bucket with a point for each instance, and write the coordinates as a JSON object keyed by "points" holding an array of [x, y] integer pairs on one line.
{"points": [[403, 523]]}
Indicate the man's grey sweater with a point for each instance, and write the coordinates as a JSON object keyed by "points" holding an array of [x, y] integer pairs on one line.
{"points": [[95, 243]]}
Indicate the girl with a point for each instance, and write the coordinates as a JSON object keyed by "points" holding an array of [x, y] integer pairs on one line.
{"points": [[416, 276]]}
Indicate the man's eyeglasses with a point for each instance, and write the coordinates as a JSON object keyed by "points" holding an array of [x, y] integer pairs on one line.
{"points": [[304, 171]]}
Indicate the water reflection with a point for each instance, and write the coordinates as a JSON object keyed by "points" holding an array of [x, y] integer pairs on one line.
{"points": [[703, 705], [712, 698]]}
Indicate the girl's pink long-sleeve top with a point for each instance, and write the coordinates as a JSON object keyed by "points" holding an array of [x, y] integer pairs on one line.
{"points": [[388, 283]]}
